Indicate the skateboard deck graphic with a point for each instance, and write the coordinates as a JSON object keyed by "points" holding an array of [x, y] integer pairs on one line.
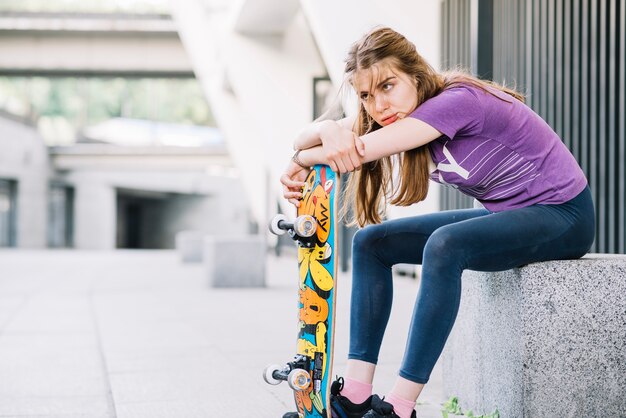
{"points": [[309, 374]]}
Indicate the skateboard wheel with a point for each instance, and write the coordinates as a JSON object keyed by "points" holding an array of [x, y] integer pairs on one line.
{"points": [[268, 374], [299, 379], [305, 226], [274, 229]]}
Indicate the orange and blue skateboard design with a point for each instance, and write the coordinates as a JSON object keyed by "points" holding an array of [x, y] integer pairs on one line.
{"points": [[315, 231]]}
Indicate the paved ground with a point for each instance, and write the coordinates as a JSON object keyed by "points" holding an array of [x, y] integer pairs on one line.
{"points": [[137, 334]]}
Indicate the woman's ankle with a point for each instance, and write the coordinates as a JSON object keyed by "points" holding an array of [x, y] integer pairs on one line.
{"points": [[402, 407], [356, 391]]}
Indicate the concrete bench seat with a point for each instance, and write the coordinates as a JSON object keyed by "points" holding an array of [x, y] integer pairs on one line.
{"points": [[235, 261], [189, 246], [229, 261], [544, 340]]}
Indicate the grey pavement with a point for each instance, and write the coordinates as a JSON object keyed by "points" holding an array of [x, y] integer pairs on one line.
{"points": [[138, 334]]}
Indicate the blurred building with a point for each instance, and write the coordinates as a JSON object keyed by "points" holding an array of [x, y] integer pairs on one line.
{"points": [[123, 183], [24, 174], [106, 194]]}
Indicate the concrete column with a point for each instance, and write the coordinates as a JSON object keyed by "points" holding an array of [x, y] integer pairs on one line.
{"points": [[32, 209], [95, 215]]}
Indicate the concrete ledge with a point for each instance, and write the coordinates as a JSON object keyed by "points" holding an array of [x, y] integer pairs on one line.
{"points": [[544, 340], [189, 246], [235, 261]]}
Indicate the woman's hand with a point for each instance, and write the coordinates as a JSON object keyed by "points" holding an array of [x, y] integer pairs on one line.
{"points": [[293, 181], [342, 147]]}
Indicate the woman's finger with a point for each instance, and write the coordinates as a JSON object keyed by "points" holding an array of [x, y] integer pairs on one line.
{"points": [[355, 161], [292, 195], [289, 182], [341, 166]]}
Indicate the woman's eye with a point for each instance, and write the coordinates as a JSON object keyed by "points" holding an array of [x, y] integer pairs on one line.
{"points": [[387, 86], [365, 96]]}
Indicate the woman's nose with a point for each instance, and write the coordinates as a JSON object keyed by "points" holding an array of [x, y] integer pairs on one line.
{"points": [[381, 102]]}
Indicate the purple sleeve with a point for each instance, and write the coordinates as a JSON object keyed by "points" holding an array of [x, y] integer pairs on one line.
{"points": [[455, 111]]}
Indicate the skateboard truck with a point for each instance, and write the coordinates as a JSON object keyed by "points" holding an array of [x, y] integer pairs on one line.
{"points": [[296, 373], [302, 229]]}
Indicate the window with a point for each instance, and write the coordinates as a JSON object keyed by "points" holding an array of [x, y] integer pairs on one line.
{"points": [[60, 216], [8, 216]]}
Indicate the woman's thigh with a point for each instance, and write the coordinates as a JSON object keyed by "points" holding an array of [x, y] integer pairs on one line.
{"points": [[508, 239], [403, 240]]}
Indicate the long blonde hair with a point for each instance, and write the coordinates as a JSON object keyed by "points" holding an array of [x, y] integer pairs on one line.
{"points": [[372, 187]]}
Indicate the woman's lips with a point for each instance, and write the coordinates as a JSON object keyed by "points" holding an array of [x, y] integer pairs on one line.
{"points": [[389, 120]]}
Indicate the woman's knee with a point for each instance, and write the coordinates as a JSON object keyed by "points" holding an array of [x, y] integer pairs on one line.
{"points": [[442, 247], [365, 239], [439, 241]]}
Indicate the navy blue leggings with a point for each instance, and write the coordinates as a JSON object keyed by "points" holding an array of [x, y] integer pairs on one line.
{"points": [[445, 244]]}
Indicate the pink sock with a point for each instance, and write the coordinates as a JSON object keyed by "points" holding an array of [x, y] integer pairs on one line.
{"points": [[357, 392], [402, 407]]}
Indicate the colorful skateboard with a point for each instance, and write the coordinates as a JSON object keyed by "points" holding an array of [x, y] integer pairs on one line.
{"points": [[315, 231]]}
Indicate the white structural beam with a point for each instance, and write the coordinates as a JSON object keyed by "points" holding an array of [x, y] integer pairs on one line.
{"points": [[106, 23], [81, 157], [259, 87], [265, 16], [91, 45], [98, 171]]}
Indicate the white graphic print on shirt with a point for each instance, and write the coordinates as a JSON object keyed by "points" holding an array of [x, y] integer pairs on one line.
{"points": [[498, 181], [452, 166]]}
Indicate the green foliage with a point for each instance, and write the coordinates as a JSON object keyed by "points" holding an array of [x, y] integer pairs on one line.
{"points": [[495, 414], [451, 406], [81, 102]]}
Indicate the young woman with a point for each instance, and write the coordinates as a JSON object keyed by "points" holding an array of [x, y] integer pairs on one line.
{"points": [[454, 129]]}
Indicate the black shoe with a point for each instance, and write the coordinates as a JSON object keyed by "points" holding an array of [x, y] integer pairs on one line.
{"points": [[382, 409], [342, 407]]}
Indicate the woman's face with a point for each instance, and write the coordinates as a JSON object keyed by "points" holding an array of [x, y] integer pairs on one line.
{"points": [[386, 93]]}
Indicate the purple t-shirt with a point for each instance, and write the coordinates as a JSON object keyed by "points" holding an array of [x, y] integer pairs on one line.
{"points": [[503, 154]]}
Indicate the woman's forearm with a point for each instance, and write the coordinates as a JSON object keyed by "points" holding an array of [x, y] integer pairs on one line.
{"points": [[311, 135], [311, 156]]}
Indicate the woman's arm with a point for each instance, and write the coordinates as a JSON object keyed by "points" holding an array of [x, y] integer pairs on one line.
{"points": [[311, 135], [403, 135], [311, 156], [309, 144]]}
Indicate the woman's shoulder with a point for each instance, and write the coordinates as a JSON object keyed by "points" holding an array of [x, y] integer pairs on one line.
{"points": [[456, 95], [455, 110], [476, 91]]}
